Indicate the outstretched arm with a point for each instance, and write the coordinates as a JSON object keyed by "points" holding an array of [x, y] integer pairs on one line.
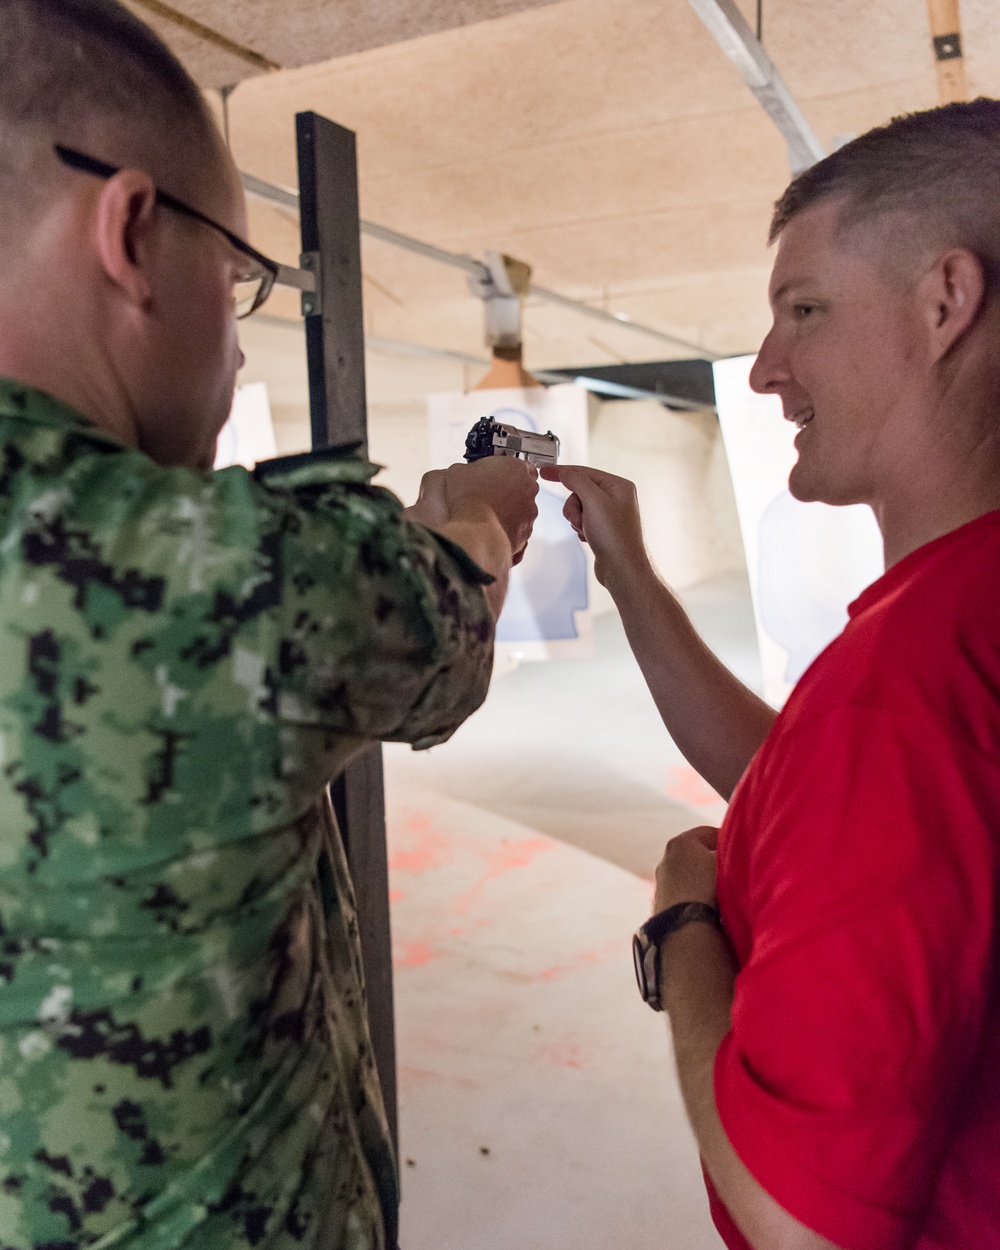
{"points": [[717, 722]]}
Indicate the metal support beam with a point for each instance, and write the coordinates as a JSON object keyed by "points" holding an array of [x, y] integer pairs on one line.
{"points": [[335, 341], [299, 279], [476, 268], [456, 260], [599, 386], [335, 353], [615, 390], [730, 30], [619, 319], [270, 191]]}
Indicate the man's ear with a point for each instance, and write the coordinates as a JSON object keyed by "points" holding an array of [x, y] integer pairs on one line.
{"points": [[952, 293], [126, 233]]}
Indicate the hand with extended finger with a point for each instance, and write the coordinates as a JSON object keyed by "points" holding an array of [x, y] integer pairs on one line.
{"points": [[686, 873], [604, 511]]}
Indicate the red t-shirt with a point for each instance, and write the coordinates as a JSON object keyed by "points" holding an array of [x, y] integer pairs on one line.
{"points": [[859, 884]]}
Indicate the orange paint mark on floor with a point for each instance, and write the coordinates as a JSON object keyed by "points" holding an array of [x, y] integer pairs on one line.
{"points": [[423, 847], [583, 959], [500, 861], [412, 954], [686, 786], [564, 1054], [411, 1077]]}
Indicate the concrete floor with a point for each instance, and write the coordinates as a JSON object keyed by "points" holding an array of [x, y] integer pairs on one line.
{"points": [[538, 1104]]}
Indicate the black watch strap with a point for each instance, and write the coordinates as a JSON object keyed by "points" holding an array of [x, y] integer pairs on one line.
{"points": [[648, 940]]}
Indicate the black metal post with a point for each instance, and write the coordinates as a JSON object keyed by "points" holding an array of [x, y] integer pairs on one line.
{"points": [[335, 352]]}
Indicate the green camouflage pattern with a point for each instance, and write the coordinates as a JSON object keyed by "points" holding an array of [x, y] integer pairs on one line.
{"points": [[186, 659]]}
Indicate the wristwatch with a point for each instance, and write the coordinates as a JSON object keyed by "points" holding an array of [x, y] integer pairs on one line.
{"points": [[647, 942]]}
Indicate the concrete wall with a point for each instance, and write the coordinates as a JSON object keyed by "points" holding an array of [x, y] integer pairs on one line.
{"points": [[678, 464]]}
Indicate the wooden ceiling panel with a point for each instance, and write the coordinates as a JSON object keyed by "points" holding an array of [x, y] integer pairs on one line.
{"points": [[609, 143], [211, 63], [291, 33]]}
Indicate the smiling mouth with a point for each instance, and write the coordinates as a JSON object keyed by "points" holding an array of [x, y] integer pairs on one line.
{"points": [[801, 418]]}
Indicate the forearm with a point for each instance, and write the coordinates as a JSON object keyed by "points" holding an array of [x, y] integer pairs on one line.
{"points": [[717, 722], [698, 974], [484, 541]]}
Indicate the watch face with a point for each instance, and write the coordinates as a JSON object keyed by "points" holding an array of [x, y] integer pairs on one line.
{"points": [[638, 953]]}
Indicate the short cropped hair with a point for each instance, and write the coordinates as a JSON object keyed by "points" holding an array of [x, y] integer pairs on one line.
{"points": [[940, 167], [61, 60]]}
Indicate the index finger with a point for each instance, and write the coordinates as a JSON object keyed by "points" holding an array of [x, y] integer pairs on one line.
{"points": [[575, 476]]}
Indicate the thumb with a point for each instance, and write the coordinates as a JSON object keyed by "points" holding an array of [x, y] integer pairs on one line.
{"points": [[707, 836]]}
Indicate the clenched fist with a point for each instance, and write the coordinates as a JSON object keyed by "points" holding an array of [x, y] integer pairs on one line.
{"points": [[498, 487]]}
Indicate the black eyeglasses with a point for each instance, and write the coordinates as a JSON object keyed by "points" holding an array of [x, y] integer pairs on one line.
{"points": [[256, 278]]}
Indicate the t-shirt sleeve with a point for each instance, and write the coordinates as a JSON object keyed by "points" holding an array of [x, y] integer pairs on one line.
{"points": [[378, 628], [858, 1014]]}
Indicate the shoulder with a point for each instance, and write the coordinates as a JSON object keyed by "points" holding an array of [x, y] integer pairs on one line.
{"points": [[115, 497]]}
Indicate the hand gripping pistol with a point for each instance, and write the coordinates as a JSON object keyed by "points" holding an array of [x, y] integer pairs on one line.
{"points": [[489, 437]]}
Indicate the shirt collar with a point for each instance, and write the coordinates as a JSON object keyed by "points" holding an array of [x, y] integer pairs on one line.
{"points": [[39, 408], [910, 566]]}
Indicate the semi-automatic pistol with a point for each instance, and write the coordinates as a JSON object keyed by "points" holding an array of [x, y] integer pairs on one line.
{"points": [[494, 438]]}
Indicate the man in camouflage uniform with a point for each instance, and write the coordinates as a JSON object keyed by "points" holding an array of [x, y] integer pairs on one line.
{"points": [[187, 658]]}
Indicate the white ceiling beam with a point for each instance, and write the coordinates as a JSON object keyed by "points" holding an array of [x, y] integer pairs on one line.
{"points": [[730, 30]]}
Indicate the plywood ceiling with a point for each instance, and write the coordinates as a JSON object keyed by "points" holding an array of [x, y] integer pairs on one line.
{"points": [[606, 142], [223, 42]]}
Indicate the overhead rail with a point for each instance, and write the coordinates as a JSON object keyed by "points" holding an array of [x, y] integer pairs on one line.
{"points": [[618, 390], [730, 30], [598, 386], [615, 390], [476, 268]]}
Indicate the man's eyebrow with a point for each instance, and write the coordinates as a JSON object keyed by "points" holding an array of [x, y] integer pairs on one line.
{"points": [[783, 291]]}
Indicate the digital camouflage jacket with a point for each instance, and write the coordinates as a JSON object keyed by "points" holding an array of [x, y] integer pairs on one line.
{"points": [[186, 658]]}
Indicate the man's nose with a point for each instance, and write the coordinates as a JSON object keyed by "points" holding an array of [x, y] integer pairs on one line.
{"points": [[768, 371]]}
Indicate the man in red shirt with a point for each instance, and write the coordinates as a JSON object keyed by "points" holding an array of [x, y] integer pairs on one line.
{"points": [[836, 1022]]}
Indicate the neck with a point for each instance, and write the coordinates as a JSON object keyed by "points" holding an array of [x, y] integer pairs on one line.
{"points": [[939, 496], [44, 349], [899, 538], [939, 464]]}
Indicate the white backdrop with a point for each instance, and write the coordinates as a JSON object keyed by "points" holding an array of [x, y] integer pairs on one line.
{"points": [[547, 613], [248, 435], [806, 562]]}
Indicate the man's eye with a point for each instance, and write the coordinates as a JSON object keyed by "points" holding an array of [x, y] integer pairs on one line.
{"points": [[802, 311]]}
